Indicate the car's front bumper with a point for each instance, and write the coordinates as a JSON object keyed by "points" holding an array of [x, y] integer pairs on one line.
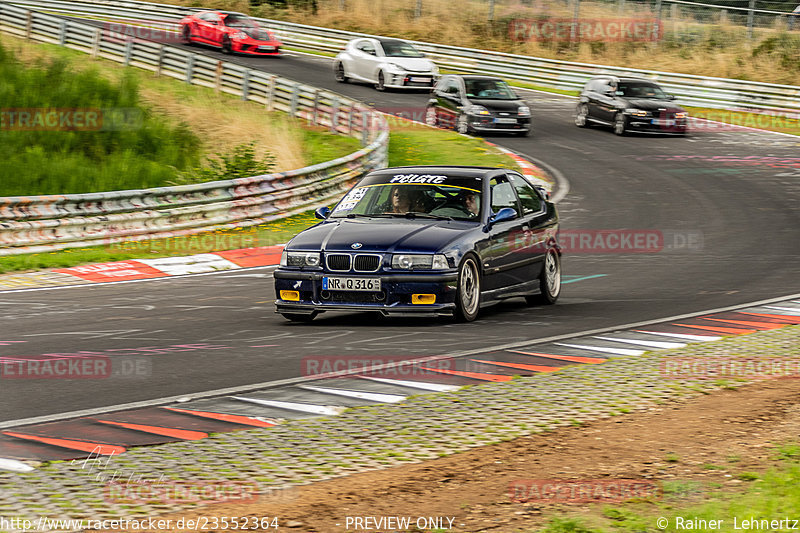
{"points": [[651, 125], [394, 298], [488, 123], [409, 80], [258, 48]]}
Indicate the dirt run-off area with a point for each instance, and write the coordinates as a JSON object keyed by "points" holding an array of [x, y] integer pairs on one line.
{"points": [[706, 441]]}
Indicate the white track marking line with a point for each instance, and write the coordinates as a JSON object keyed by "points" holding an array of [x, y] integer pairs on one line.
{"points": [[293, 406], [694, 338], [14, 465], [651, 344], [615, 351], [435, 387], [371, 396]]}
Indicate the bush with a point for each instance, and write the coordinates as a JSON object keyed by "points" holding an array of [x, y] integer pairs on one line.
{"points": [[142, 151]]}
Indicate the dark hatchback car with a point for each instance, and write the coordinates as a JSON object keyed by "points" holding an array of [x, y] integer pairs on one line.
{"points": [[629, 104], [424, 241], [477, 104]]}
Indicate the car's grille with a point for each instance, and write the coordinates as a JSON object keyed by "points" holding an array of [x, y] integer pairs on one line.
{"points": [[354, 297], [338, 262], [366, 263]]}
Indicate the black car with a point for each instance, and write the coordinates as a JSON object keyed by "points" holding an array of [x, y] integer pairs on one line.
{"points": [[424, 241], [629, 104], [480, 104]]}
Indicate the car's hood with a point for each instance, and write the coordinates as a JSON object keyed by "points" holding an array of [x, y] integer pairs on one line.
{"points": [[649, 104], [505, 106], [411, 64], [380, 235]]}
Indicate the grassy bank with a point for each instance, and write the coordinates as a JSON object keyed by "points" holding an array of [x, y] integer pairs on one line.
{"points": [[770, 495], [57, 135], [191, 125]]}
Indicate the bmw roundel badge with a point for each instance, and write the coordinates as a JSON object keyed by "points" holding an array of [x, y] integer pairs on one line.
{"points": [[356, 245]]}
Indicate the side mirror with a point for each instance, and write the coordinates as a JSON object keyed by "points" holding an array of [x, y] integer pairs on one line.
{"points": [[501, 216], [670, 97], [322, 212], [543, 192]]}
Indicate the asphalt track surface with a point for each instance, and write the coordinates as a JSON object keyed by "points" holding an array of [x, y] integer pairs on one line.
{"points": [[735, 194]]}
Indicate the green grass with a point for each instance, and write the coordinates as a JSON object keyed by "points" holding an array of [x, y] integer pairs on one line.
{"points": [[426, 146], [772, 495], [144, 152]]}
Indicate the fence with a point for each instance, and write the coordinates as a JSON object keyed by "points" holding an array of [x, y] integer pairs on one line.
{"points": [[700, 91], [46, 223]]}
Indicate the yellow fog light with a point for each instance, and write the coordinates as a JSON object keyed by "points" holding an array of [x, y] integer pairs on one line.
{"points": [[423, 298], [292, 296]]}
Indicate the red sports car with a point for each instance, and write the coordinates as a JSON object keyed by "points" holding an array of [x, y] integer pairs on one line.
{"points": [[233, 32]]}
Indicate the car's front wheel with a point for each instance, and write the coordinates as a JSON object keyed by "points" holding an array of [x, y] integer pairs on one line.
{"points": [[468, 295], [549, 280], [462, 126], [300, 317], [380, 85], [227, 45], [186, 34], [341, 77], [620, 123], [430, 117], [582, 116]]}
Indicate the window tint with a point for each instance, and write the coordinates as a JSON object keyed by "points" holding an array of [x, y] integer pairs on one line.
{"points": [[367, 47], [503, 195], [528, 197], [208, 17]]}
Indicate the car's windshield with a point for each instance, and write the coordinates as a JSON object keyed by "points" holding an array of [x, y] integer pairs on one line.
{"points": [[410, 195], [399, 49], [489, 89], [641, 90], [240, 21]]}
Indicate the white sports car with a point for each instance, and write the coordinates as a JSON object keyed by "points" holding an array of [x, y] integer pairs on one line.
{"points": [[387, 63]]}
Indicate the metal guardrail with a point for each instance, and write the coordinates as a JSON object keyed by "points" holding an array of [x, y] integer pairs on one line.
{"points": [[45, 223], [690, 89]]}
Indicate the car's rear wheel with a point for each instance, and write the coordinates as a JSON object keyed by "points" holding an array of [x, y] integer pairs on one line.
{"points": [[620, 124], [186, 34], [341, 77], [582, 116], [227, 45], [300, 317], [430, 117], [468, 295], [549, 280], [380, 85]]}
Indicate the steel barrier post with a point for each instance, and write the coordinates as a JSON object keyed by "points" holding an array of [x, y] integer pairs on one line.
{"points": [[190, 69], [218, 77], [294, 100], [271, 93], [62, 33], [128, 51], [246, 85], [98, 35], [314, 114]]}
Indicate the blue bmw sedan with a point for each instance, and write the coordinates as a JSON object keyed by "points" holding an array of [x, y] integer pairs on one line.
{"points": [[426, 240]]}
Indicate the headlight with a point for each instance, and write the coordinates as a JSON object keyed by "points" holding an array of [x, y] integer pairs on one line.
{"points": [[300, 259], [524, 111], [637, 112], [395, 67], [240, 35], [478, 110], [681, 115], [419, 261], [434, 69]]}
